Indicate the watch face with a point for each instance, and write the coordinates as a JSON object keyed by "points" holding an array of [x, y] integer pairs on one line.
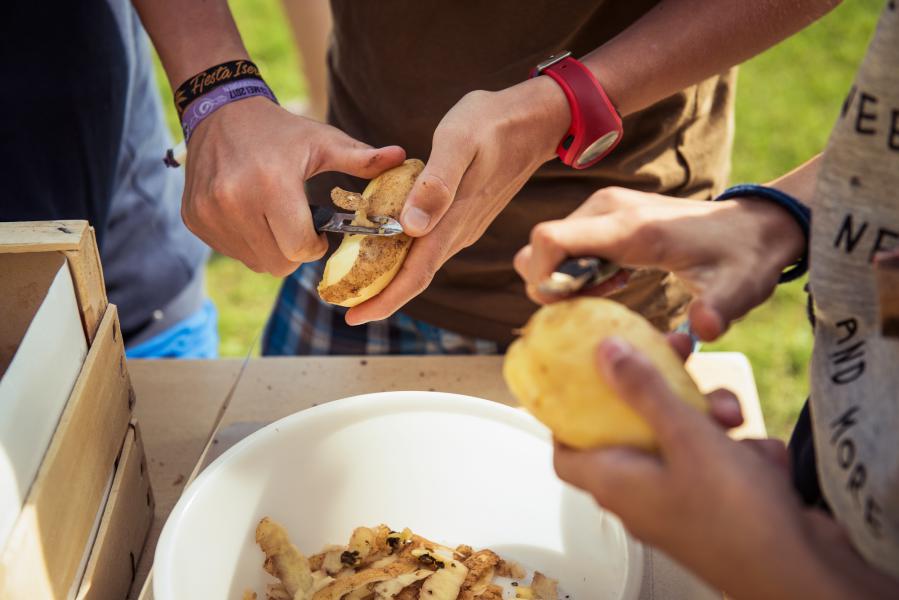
{"points": [[596, 149]]}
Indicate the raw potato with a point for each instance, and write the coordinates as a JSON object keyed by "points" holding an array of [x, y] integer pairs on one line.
{"points": [[552, 371], [363, 265]]}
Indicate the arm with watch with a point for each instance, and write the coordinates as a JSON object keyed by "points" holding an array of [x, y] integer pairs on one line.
{"points": [[490, 143], [250, 158]]}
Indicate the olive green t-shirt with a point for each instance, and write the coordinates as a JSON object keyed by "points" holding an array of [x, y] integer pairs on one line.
{"points": [[397, 67]]}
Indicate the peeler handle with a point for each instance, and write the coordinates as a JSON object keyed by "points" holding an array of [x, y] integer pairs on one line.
{"points": [[321, 215], [575, 274], [593, 269]]}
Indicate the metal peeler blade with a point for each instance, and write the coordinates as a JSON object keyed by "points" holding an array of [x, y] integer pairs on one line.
{"points": [[326, 219], [575, 274]]}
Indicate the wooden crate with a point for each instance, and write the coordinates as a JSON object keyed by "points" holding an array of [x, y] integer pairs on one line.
{"points": [[124, 527], [77, 241], [45, 551]]}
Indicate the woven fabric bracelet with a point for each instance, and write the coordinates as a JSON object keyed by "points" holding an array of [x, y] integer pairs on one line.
{"points": [[213, 77], [210, 102], [799, 211]]}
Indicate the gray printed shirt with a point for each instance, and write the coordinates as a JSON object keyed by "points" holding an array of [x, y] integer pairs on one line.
{"points": [[855, 369]]}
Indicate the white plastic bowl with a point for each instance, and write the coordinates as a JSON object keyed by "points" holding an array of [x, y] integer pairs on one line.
{"points": [[453, 468]]}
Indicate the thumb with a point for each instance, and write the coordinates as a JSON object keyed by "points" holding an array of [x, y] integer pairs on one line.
{"points": [[726, 299], [638, 383], [339, 152], [705, 321], [435, 189]]}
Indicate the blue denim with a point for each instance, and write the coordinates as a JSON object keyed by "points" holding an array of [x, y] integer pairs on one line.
{"points": [[194, 337]]}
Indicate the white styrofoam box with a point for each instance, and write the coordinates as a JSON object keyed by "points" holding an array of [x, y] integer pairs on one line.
{"points": [[42, 348]]}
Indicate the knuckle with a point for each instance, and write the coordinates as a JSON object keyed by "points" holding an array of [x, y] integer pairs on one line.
{"points": [[469, 240], [224, 191], [421, 280], [677, 434], [307, 254], [544, 235], [282, 269], [253, 265], [187, 215], [519, 261], [192, 214], [264, 179], [454, 133], [604, 196], [475, 97], [652, 236]]}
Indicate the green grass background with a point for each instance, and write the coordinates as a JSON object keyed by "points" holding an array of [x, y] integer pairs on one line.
{"points": [[787, 101]]}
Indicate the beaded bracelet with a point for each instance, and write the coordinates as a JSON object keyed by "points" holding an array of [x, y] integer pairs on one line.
{"points": [[799, 211]]}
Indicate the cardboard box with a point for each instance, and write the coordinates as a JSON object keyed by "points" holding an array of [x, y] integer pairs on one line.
{"points": [[46, 547], [124, 527], [77, 241], [42, 348]]}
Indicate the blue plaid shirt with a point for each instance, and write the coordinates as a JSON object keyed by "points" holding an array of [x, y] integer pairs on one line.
{"points": [[301, 324]]}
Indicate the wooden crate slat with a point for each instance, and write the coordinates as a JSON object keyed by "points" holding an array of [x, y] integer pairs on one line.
{"points": [[45, 550], [124, 527]]}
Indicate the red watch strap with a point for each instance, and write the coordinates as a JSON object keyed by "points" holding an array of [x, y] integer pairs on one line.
{"points": [[592, 113]]}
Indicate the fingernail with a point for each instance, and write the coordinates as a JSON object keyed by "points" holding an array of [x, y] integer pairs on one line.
{"points": [[415, 220], [352, 320], [613, 351]]}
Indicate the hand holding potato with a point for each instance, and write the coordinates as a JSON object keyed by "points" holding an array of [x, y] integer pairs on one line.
{"points": [[723, 509], [243, 193], [729, 253], [484, 150]]}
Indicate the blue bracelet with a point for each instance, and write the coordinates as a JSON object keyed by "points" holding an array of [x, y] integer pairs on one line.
{"points": [[799, 211]]}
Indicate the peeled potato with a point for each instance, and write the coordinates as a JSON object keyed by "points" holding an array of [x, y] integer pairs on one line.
{"points": [[363, 265], [552, 371]]}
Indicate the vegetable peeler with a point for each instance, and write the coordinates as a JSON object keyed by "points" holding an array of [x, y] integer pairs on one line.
{"points": [[326, 218], [575, 274]]}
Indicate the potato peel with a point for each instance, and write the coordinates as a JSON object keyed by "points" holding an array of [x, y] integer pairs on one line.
{"points": [[380, 564], [282, 559]]}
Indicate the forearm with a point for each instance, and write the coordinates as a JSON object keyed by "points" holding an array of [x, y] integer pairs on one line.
{"points": [[681, 42], [801, 181], [191, 35], [815, 561], [784, 241]]}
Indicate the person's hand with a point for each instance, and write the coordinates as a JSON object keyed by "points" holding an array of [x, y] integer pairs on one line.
{"points": [[243, 193], [730, 254], [483, 152], [724, 509]]}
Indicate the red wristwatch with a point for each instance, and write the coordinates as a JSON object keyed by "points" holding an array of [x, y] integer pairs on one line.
{"points": [[595, 125]]}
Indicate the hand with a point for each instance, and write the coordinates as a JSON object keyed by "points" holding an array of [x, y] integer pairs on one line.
{"points": [[243, 193], [483, 152], [730, 254], [722, 508]]}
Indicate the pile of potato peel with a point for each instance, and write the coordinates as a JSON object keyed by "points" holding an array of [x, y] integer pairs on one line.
{"points": [[379, 563]]}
